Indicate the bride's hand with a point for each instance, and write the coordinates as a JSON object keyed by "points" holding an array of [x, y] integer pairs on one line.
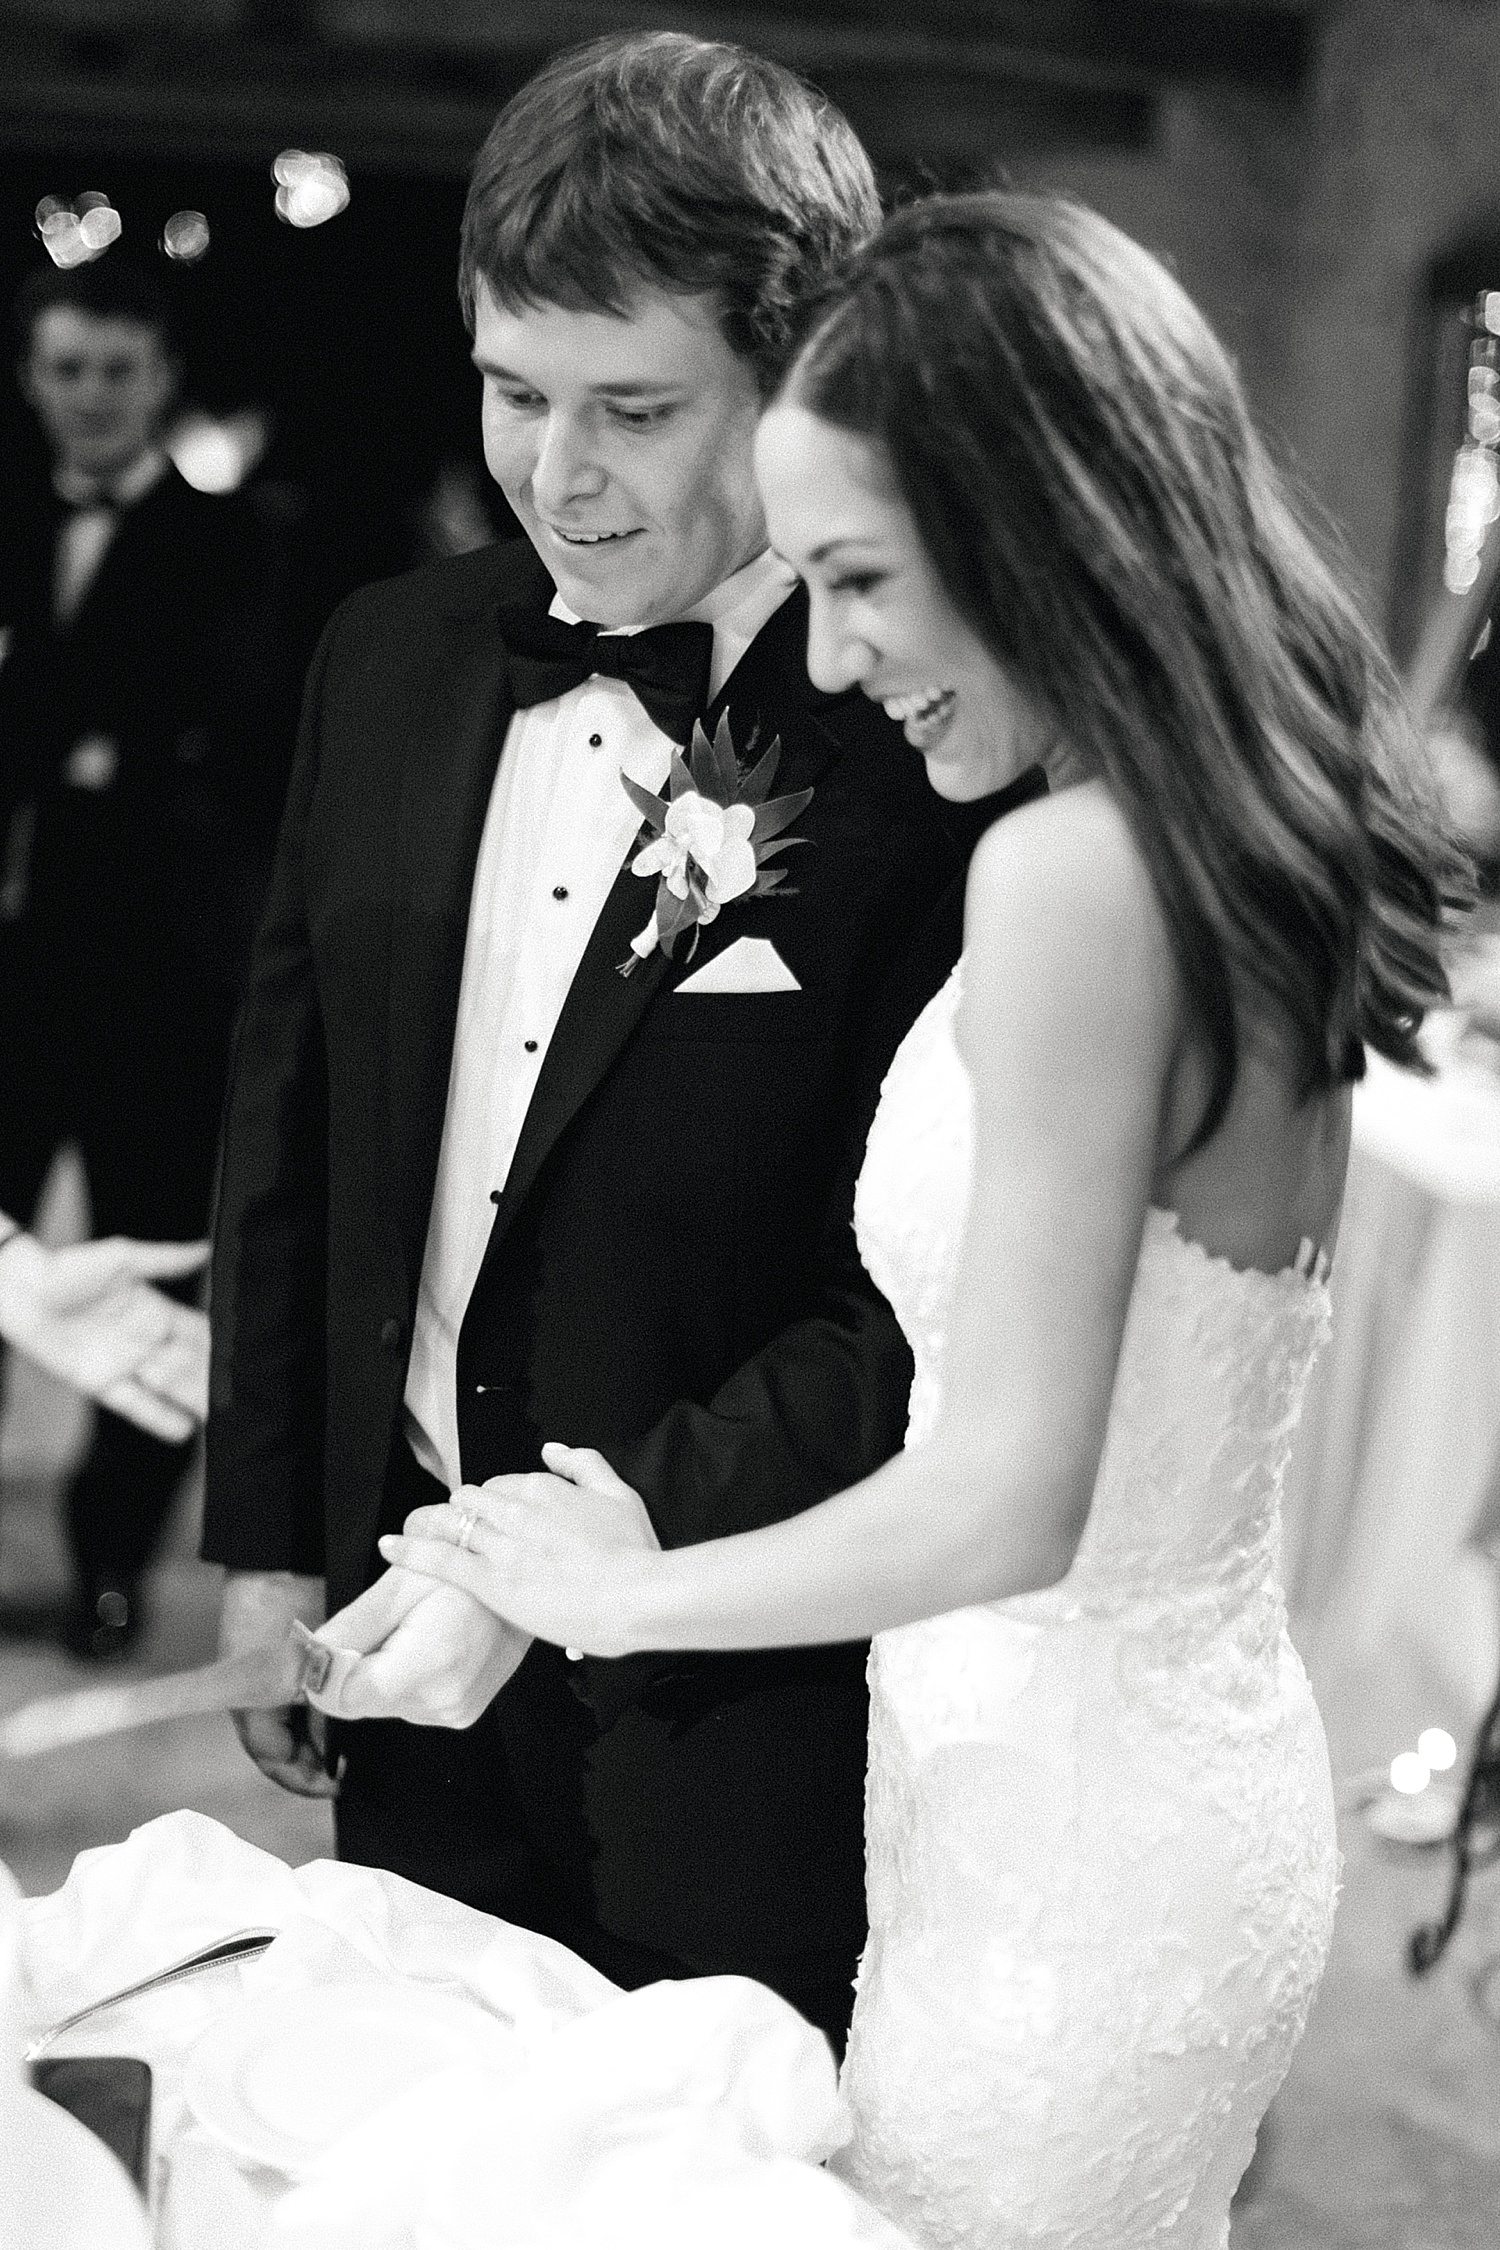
{"points": [[557, 1555]]}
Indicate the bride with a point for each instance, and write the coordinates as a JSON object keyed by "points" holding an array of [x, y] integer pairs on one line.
{"points": [[1102, 1189]]}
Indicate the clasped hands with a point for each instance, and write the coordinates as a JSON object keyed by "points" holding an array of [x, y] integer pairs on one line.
{"points": [[475, 1579]]}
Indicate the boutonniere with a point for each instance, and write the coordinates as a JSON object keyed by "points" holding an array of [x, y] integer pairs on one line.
{"points": [[711, 837]]}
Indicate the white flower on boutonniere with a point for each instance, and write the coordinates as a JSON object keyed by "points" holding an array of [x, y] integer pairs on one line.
{"points": [[711, 837], [717, 837]]}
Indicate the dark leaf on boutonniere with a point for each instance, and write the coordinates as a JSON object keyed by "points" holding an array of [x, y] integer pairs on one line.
{"points": [[651, 808], [755, 787], [768, 880], [682, 780], [778, 813], [716, 773]]}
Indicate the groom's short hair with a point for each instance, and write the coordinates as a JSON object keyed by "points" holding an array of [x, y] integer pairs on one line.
{"points": [[652, 160]]}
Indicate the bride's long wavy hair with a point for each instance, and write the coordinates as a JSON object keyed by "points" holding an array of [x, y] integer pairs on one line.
{"points": [[1078, 456]]}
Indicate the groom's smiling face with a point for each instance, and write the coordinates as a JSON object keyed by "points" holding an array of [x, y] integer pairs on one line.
{"points": [[624, 445]]}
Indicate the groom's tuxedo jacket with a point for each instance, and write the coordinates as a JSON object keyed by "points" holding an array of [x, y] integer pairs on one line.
{"points": [[672, 1274]]}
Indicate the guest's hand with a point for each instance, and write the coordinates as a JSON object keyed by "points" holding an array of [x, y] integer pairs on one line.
{"points": [[289, 1745], [88, 1314], [429, 1654], [555, 1554]]}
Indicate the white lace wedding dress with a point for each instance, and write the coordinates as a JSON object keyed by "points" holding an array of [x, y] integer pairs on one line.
{"points": [[1099, 1825]]}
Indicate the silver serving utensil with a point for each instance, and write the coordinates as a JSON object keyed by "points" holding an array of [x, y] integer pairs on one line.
{"points": [[241, 1945], [259, 1679]]}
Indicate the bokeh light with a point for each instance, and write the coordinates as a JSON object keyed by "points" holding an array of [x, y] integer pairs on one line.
{"points": [[1473, 505], [73, 233], [311, 186], [1410, 1773], [1437, 1746], [216, 455], [185, 236], [100, 226]]}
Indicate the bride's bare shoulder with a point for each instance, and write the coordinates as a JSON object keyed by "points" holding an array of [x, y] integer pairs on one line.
{"points": [[1067, 867], [1072, 1007]]}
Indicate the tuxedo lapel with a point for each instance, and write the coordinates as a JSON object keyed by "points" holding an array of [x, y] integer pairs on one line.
{"points": [[768, 693], [153, 524], [454, 734], [602, 1009], [770, 686]]}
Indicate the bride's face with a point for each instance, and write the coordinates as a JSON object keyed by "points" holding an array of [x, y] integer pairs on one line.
{"points": [[880, 619]]}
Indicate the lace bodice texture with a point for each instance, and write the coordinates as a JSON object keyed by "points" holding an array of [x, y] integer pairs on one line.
{"points": [[1099, 1833]]}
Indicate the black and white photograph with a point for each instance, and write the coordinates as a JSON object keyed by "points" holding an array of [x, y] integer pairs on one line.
{"points": [[750, 1125]]}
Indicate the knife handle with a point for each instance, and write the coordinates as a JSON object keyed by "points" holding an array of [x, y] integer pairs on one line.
{"points": [[322, 1661], [317, 1661]]}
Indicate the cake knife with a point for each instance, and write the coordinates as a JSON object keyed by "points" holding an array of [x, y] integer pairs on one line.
{"points": [[257, 1679]]}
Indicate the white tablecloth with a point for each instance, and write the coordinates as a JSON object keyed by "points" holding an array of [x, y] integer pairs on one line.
{"points": [[1393, 1481], [673, 2117]]}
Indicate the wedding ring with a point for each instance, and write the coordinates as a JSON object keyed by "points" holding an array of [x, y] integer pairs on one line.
{"points": [[468, 1519]]}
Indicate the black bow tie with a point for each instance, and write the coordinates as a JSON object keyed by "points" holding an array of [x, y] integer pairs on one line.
{"points": [[666, 667]]}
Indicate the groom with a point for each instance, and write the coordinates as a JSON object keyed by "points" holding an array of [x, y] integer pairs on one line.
{"points": [[498, 1167]]}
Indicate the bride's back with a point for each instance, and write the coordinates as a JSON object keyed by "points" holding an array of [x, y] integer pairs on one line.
{"points": [[1271, 1176]]}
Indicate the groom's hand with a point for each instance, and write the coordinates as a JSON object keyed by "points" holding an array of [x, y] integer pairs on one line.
{"points": [[419, 1651], [259, 1609]]}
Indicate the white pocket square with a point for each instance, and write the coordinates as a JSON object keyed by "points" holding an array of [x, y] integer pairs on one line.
{"points": [[751, 964]]}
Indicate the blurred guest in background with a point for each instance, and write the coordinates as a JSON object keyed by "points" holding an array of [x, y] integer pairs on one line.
{"points": [[144, 742]]}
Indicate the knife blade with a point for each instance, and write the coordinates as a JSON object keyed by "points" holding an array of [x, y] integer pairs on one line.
{"points": [[257, 1679]]}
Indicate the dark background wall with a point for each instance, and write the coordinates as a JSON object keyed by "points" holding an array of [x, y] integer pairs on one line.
{"points": [[347, 335], [1324, 175]]}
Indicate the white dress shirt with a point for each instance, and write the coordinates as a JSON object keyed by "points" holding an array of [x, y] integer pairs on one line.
{"points": [[84, 539], [557, 830]]}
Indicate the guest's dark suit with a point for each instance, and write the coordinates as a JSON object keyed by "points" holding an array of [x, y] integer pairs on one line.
{"points": [[672, 1277], [144, 748]]}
